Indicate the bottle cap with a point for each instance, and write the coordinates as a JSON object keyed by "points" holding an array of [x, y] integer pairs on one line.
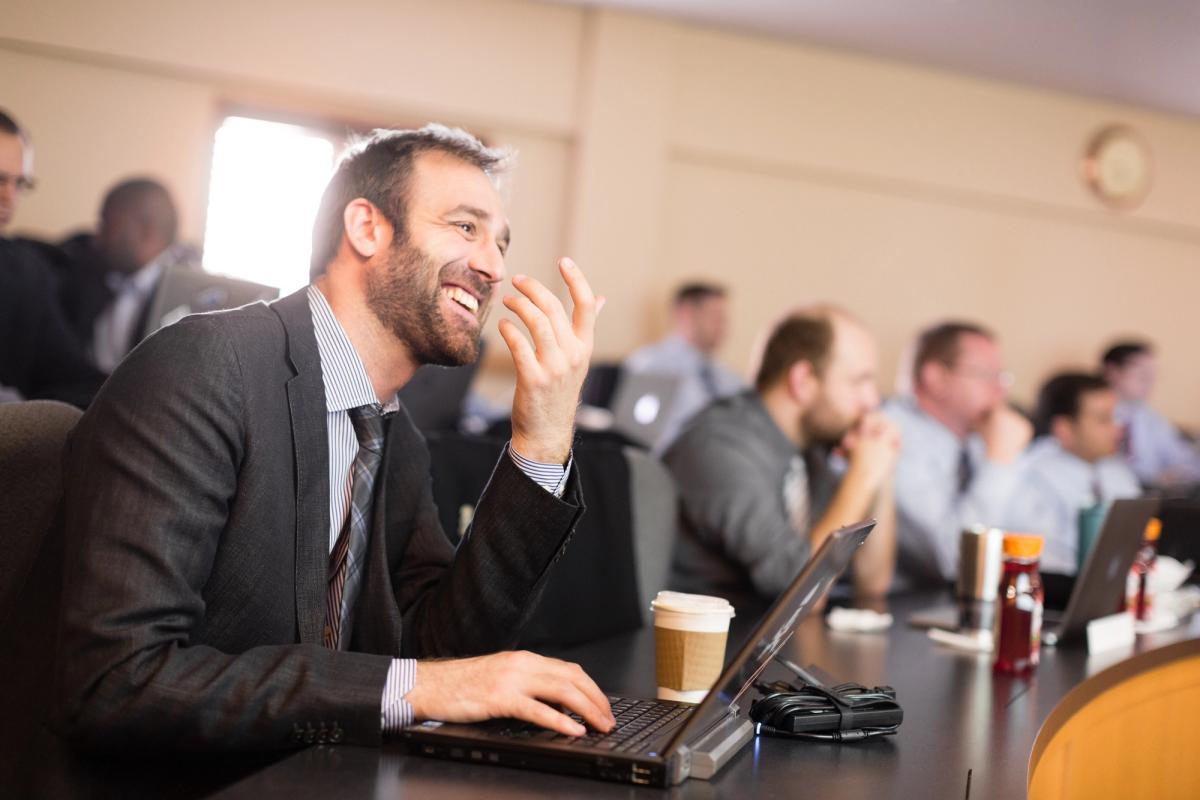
{"points": [[1153, 529], [1022, 545]]}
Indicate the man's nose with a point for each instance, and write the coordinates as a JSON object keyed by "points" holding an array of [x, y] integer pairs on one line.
{"points": [[488, 263]]}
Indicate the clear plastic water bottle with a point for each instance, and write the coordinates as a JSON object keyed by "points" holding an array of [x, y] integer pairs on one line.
{"points": [[1019, 607]]}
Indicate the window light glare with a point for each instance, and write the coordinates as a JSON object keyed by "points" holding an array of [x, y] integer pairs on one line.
{"points": [[267, 179]]}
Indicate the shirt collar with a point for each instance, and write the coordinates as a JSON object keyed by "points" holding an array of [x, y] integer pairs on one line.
{"points": [[140, 282], [347, 384]]}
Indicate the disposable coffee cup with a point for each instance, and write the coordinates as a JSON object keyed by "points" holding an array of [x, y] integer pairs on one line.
{"points": [[689, 643]]}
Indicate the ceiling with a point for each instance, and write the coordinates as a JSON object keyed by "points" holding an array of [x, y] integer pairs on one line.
{"points": [[1141, 52]]}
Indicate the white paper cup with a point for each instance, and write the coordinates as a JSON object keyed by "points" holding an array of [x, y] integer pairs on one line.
{"points": [[690, 631]]}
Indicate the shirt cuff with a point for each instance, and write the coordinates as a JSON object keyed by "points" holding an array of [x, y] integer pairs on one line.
{"points": [[551, 477], [395, 712]]}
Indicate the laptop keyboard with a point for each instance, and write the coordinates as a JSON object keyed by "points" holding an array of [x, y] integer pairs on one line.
{"points": [[638, 722]]}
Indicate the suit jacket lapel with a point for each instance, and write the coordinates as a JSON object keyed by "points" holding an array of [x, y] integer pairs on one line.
{"points": [[306, 400]]}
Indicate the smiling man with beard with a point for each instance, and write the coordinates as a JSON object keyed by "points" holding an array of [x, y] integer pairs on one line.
{"points": [[253, 559], [757, 493]]}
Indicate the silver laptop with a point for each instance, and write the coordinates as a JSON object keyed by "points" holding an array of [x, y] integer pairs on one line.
{"points": [[655, 742], [1100, 585], [642, 405], [182, 291]]}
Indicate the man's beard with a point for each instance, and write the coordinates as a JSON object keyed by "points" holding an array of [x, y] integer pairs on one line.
{"points": [[407, 306], [822, 427]]}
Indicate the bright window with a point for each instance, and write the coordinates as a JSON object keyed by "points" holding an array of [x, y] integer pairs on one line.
{"points": [[267, 179]]}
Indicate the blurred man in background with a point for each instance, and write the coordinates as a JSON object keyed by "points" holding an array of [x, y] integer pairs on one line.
{"points": [[1071, 467], [699, 323], [1158, 453], [111, 277], [757, 494], [961, 446], [39, 357]]}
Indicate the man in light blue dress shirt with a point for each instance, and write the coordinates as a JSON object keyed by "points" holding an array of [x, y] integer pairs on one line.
{"points": [[1159, 454], [961, 445], [699, 318], [1072, 466]]}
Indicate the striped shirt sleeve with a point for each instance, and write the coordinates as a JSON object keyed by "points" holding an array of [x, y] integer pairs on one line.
{"points": [[551, 477], [396, 712]]}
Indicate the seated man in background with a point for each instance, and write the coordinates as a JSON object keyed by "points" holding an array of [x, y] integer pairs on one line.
{"points": [[757, 495], [39, 356], [109, 279], [1158, 453], [961, 446], [253, 559], [1072, 466], [699, 321]]}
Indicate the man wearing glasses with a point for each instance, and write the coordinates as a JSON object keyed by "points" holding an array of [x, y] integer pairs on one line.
{"points": [[39, 357], [962, 443]]}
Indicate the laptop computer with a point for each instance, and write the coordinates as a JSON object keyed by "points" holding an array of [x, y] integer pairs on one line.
{"points": [[655, 742], [1098, 585], [182, 291], [641, 405], [1101, 582]]}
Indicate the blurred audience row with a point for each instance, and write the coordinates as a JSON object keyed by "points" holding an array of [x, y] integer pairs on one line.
{"points": [[766, 472]]}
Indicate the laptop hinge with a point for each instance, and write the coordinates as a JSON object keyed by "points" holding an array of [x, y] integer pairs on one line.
{"points": [[715, 749]]}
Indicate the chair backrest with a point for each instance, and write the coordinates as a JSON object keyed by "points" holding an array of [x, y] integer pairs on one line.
{"points": [[599, 587], [32, 436], [654, 500]]}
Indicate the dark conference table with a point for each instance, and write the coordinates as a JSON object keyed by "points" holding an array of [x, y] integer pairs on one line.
{"points": [[959, 720]]}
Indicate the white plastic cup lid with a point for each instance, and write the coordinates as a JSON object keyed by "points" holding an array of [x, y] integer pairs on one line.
{"points": [[682, 603]]}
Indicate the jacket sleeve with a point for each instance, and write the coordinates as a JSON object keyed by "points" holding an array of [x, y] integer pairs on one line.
{"points": [[151, 472], [476, 599]]}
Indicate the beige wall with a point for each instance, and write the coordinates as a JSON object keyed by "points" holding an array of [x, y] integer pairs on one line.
{"points": [[654, 151]]}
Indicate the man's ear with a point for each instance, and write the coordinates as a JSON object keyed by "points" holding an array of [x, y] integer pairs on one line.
{"points": [[365, 228], [932, 377], [802, 381], [1062, 428]]}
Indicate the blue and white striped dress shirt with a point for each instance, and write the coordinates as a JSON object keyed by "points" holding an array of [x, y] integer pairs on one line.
{"points": [[348, 386]]}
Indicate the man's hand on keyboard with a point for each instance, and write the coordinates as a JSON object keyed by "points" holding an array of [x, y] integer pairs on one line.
{"points": [[515, 684]]}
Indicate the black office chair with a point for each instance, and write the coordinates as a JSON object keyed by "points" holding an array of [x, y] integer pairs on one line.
{"points": [[600, 586], [601, 384], [32, 435]]}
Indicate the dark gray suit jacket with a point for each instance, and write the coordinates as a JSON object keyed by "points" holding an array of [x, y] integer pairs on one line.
{"points": [[196, 523]]}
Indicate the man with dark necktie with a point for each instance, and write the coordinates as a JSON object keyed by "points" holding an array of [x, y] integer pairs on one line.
{"points": [[253, 559], [699, 322], [960, 452]]}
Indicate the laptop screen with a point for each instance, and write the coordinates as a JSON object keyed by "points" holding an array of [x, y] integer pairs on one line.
{"points": [[776, 628]]}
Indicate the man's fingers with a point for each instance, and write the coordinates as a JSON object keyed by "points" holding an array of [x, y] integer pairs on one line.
{"points": [[549, 305], [588, 686], [535, 320], [539, 713], [518, 345], [561, 690], [584, 300]]}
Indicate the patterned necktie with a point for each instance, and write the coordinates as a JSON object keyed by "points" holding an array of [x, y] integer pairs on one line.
{"points": [[795, 495], [708, 380], [346, 560], [966, 470]]}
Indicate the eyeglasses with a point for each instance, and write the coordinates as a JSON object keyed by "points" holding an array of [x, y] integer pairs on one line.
{"points": [[23, 183]]}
